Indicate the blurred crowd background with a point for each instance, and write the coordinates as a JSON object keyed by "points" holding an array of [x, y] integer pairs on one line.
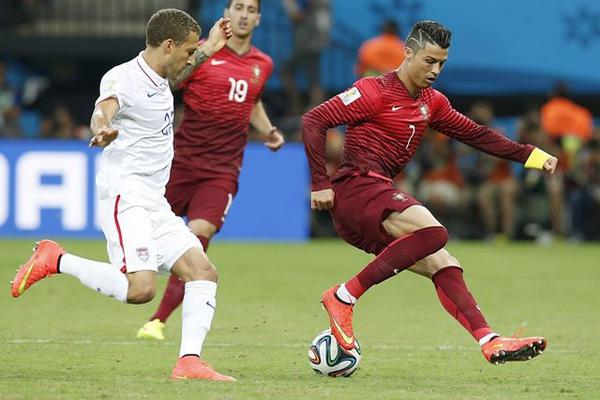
{"points": [[53, 53]]}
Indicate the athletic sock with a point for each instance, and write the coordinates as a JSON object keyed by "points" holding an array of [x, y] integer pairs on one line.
{"points": [[173, 295], [199, 304], [98, 276], [458, 301], [397, 256], [171, 299]]}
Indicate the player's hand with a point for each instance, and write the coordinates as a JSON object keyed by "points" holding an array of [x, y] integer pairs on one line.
{"points": [[321, 199], [274, 140], [103, 137], [219, 33], [550, 164]]}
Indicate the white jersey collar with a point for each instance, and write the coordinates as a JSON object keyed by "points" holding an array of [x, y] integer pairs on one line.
{"points": [[156, 79]]}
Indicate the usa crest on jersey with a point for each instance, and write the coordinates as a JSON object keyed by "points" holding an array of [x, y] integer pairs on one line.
{"points": [[142, 253]]}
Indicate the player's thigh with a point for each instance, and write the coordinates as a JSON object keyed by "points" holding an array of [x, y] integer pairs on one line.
{"points": [[194, 265], [129, 235], [431, 264], [400, 223], [211, 202]]}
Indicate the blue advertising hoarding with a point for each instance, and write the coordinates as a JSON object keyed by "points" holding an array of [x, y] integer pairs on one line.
{"points": [[47, 190]]}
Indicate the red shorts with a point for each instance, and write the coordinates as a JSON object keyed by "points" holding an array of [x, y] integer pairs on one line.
{"points": [[208, 199], [361, 204]]}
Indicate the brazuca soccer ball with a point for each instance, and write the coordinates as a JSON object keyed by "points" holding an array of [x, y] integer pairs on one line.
{"points": [[326, 357]]}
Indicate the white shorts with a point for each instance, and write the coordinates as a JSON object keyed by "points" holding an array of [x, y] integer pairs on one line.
{"points": [[143, 239]]}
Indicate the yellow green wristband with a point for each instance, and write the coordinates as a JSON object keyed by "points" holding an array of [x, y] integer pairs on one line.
{"points": [[537, 159]]}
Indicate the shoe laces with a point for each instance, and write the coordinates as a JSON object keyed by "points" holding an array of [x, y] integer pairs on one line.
{"points": [[519, 333]]}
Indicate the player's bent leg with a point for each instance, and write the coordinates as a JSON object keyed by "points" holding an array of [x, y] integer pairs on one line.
{"points": [[199, 303], [418, 235], [457, 300], [49, 259]]}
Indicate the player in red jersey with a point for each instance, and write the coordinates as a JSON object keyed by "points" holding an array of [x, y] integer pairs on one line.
{"points": [[221, 98], [386, 118]]}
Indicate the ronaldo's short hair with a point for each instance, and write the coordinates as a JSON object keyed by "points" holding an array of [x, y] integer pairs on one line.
{"points": [[170, 23], [257, 4], [424, 32]]}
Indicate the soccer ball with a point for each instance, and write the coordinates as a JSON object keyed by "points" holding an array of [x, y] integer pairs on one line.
{"points": [[326, 357]]}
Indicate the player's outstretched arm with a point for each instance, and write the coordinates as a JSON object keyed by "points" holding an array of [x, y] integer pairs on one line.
{"points": [[447, 120], [260, 121], [217, 37], [102, 133]]}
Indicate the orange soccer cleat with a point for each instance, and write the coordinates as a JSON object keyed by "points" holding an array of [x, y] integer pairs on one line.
{"points": [[340, 318], [42, 263], [502, 349], [192, 367]]}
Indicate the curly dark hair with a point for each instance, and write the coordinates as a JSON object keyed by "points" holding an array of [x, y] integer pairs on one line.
{"points": [[170, 23]]}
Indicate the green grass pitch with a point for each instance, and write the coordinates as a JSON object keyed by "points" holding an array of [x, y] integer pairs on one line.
{"points": [[62, 341]]}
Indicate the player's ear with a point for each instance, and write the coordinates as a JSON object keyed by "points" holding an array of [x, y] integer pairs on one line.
{"points": [[258, 20], [168, 45], [408, 52]]}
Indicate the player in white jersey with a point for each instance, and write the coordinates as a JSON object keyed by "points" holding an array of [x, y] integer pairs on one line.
{"points": [[133, 121]]}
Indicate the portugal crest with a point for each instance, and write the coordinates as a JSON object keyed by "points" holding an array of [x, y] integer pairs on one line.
{"points": [[255, 73], [424, 111]]}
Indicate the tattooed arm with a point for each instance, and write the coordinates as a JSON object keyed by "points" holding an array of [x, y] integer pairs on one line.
{"points": [[199, 57], [217, 37]]}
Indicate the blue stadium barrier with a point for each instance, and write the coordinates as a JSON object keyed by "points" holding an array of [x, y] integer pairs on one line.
{"points": [[47, 190]]}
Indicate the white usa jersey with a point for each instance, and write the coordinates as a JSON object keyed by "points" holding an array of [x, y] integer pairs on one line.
{"points": [[137, 164]]}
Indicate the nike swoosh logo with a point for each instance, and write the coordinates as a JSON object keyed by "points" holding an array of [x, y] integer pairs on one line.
{"points": [[26, 277], [210, 305], [346, 338], [152, 94], [217, 62], [396, 108]]}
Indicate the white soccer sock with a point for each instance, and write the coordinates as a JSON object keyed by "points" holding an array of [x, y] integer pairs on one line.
{"points": [[487, 338], [199, 304], [98, 276], [345, 295]]}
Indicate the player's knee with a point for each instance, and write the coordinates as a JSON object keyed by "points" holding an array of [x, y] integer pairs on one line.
{"points": [[205, 271], [203, 228], [141, 294]]}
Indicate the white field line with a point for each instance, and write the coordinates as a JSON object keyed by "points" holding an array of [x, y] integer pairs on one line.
{"points": [[405, 349]]}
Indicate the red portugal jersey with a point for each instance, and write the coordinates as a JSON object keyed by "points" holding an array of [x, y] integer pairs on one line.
{"points": [[385, 125], [218, 99]]}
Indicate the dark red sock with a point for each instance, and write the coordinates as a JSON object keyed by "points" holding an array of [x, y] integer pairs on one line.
{"points": [[397, 256], [171, 299], [458, 301], [204, 240]]}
